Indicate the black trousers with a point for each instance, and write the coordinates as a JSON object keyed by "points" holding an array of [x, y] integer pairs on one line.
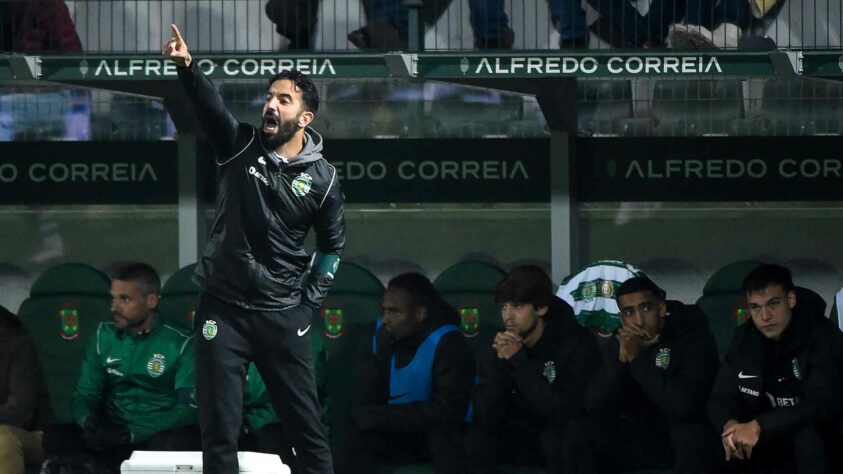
{"points": [[227, 338], [441, 445], [270, 439], [624, 444], [489, 446], [66, 439]]}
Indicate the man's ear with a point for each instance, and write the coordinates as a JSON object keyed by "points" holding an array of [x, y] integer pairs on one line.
{"points": [[421, 314], [306, 118], [152, 300], [791, 299], [542, 310], [662, 308]]}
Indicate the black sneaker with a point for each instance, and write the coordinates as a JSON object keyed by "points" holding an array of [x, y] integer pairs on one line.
{"points": [[504, 41]]}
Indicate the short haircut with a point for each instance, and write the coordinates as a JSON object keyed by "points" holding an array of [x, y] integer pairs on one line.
{"points": [[637, 284], [421, 291], [142, 275], [766, 275], [309, 93], [527, 284]]}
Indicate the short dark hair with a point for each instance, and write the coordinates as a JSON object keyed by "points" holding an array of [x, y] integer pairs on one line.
{"points": [[421, 291], [766, 275], [637, 284], [527, 284], [142, 275], [309, 93]]}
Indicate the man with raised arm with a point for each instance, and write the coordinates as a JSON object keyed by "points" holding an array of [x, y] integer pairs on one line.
{"points": [[259, 284]]}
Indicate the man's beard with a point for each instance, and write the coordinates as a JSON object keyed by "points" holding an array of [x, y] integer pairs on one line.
{"points": [[282, 135]]}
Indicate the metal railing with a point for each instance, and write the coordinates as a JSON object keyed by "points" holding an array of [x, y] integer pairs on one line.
{"points": [[142, 26]]}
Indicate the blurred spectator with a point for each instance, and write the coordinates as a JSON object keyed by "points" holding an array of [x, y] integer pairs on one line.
{"points": [[41, 26], [295, 20], [622, 25], [37, 26], [24, 403], [710, 24], [387, 24], [569, 19]]}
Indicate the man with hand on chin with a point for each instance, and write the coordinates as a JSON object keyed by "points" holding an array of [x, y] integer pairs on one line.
{"points": [[532, 380], [777, 395], [259, 284], [646, 404]]}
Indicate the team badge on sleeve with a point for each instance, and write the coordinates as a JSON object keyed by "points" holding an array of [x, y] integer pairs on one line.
{"points": [[796, 372], [209, 329], [549, 371]]}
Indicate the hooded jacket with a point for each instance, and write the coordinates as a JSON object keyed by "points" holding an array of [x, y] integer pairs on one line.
{"points": [[265, 206], [785, 385], [541, 386], [665, 383], [24, 401]]}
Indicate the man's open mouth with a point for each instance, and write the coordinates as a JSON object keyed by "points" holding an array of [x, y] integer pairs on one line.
{"points": [[270, 123]]}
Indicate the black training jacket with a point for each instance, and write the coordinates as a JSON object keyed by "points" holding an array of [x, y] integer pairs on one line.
{"points": [[264, 209], [542, 386], [666, 383], [785, 385]]}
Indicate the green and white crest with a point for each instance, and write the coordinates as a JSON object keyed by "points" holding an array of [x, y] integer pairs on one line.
{"points": [[155, 367], [663, 358], [549, 371], [209, 329], [301, 184]]}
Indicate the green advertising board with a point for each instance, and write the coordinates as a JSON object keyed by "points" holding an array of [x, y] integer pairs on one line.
{"points": [[822, 63], [257, 66], [607, 64], [592, 64]]}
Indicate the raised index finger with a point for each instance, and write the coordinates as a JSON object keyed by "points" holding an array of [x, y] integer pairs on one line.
{"points": [[176, 33]]}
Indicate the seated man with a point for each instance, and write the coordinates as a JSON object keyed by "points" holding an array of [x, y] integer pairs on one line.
{"points": [[24, 403], [778, 392], [414, 384], [136, 389], [532, 381], [646, 404]]}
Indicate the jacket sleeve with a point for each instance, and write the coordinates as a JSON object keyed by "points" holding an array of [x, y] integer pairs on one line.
{"points": [[330, 242], [24, 379], [183, 412], [453, 377], [821, 390], [493, 387], [562, 399], [216, 121], [681, 390], [90, 388], [723, 402], [603, 396], [372, 386]]}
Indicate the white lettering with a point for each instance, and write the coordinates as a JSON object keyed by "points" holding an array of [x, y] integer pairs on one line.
{"points": [[8, 172], [614, 66]]}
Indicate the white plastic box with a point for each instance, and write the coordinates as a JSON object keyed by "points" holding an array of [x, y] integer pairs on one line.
{"points": [[190, 462]]}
